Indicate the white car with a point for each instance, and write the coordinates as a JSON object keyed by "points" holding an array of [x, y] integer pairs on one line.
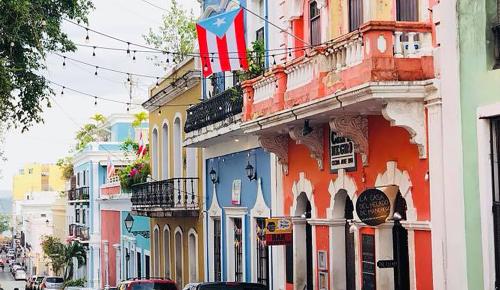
{"points": [[52, 283], [20, 275]]}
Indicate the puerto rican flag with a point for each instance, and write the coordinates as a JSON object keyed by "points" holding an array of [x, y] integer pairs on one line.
{"points": [[142, 146], [110, 168], [221, 40]]}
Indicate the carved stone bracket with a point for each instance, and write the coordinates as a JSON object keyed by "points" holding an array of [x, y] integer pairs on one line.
{"points": [[313, 141], [277, 144], [356, 129], [411, 116]]}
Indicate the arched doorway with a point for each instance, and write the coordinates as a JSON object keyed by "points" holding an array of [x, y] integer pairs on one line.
{"points": [[303, 244], [400, 245]]}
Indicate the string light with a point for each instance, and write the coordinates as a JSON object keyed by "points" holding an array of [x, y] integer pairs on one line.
{"points": [[128, 107], [133, 58], [128, 48], [186, 87], [93, 51], [289, 52], [62, 90], [95, 101], [96, 67], [157, 81], [159, 110], [87, 38], [128, 78], [274, 60], [64, 62]]}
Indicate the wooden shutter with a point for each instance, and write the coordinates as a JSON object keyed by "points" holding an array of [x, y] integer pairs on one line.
{"points": [[407, 10], [355, 14]]}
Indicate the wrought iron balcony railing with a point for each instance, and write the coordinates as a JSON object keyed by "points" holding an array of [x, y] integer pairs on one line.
{"points": [[78, 194], [218, 108], [163, 198]]}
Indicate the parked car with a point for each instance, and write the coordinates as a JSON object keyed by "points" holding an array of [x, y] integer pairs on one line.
{"points": [[147, 284], [52, 283], [15, 267], [34, 282], [20, 274], [229, 286]]}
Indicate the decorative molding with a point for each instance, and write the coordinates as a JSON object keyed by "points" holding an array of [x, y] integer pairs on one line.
{"points": [[343, 182], [356, 129], [215, 209], [260, 208], [313, 141], [303, 185], [277, 144], [394, 176], [410, 116]]}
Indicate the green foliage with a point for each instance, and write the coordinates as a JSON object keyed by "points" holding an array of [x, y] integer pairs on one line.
{"points": [[129, 146], [135, 173], [177, 33], [29, 30], [139, 118], [4, 222], [66, 165], [75, 283], [91, 132], [256, 64], [73, 250], [54, 250]]}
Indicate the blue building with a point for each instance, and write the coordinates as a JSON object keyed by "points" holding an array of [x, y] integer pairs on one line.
{"points": [[85, 197], [135, 247]]}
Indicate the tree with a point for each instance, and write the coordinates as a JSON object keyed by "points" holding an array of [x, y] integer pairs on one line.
{"points": [[66, 165], [29, 30], [54, 251], [177, 33], [73, 250], [92, 132], [139, 118], [4, 223]]}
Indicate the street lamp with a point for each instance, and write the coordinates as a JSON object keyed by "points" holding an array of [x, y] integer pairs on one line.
{"points": [[129, 223], [213, 176], [250, 171]]}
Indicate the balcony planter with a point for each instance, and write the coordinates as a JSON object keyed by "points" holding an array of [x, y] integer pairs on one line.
{"points": [[134, 173]]}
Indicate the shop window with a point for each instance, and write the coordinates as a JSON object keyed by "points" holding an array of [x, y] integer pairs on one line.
{"points": [[238, 250], [495, 166], [262, 253], [315, 23], [217, 251], [355, 14], [407, 10]]}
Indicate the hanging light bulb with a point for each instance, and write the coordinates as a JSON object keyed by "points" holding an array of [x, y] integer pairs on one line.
{"points": [[133, 57], [64, 62], [95, 101], [93, 51], [96, 70], [159, 110], [62, 91], [128, 48], [157, 81], [186, 87], [128, 107], [274, 60], [87, 38], [289, 52], [128, 78]]}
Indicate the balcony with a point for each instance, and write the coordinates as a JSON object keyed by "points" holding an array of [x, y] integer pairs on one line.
{"points": [[78, 195], [112, 189], [219, 112], [177, 197], [379, 53], [79, 232]]}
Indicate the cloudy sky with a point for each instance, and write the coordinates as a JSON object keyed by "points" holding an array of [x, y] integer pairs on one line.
{"points": [[124, 19]]}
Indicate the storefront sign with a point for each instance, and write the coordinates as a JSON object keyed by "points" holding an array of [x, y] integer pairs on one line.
{"points": [[373, 207], [341, 153], [279, 231], [368, 261], [386, 264], [236, 192]]}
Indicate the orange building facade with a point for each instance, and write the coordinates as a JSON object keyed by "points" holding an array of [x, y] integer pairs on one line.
{"points": [[349, 118]]}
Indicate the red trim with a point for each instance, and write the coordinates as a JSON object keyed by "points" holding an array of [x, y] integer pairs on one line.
{"points": [[202, 42]]}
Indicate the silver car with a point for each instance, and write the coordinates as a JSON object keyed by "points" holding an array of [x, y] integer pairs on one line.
{"points": [[52, 283], [20, 274]]}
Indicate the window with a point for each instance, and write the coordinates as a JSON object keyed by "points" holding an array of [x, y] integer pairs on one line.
{"points": [[217, 251], [154, 155], [30, 171], [495, 166], [315, 23], [43, 215], [238, 250], [355, 14], [166, 251], [164, 151], [177, 148], [496, 34], [84, 177], [77, 215], [156, 251], [178, 258], [262, 253], [139, 270], [218, 82], [146, 266], [407, 10], [192, 257], [83, 216]]}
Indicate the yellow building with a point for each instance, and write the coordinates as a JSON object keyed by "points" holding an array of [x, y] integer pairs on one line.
{"points": [[59, 219], [173, 199], [35, 177]]}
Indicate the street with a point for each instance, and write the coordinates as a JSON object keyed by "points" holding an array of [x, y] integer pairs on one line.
{"points": [[7, 282]]}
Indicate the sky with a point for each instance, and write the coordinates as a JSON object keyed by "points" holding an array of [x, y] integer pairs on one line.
{"points": [[125, 19]]}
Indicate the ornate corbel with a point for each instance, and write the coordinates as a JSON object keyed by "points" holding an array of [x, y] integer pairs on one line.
{"points": [[313, 141], [356, 129], [410, 116], [277, 144]]}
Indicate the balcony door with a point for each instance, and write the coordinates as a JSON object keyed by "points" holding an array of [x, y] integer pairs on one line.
{"points": [[355, 14], [407, 10]]}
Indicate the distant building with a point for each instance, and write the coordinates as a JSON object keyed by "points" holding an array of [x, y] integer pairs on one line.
{"points": [[36, 177]]}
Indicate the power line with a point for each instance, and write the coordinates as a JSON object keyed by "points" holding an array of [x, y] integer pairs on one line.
{"points": [[154, 5]]}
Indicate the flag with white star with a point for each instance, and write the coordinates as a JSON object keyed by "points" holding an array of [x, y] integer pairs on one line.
{"points": [[221, 40]]}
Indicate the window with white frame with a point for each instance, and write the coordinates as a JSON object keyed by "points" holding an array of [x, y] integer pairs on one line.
{"points": [[314, 23], [156, 249], [407, 10], [154, 154], [179, 257], [164, 151], [193, 256], [166, 251], [238, 249], [217, 250], [495, 168]]}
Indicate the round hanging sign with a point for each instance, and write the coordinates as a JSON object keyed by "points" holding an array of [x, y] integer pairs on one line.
{"points": [[373, 207]]}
